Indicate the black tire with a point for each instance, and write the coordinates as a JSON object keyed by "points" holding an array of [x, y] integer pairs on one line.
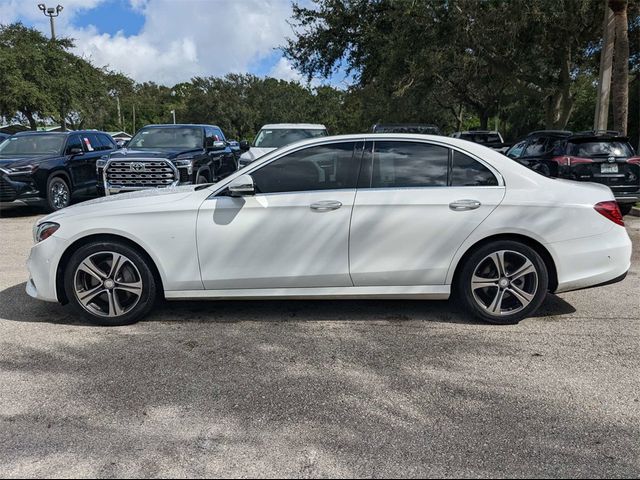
{"points": [[134, 274], [625, 208], [58, 194], [480, 297]]}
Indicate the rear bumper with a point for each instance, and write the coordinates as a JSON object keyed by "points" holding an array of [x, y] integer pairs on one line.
{"points": [[592, 261]]}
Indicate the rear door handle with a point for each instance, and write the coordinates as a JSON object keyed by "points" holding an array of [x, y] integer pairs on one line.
{"points": [[326, 205], [462, 205]]}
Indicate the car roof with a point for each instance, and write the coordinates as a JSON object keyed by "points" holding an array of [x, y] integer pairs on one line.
{"points": [[294, 126], [598, 135], [494, 132], [174, 125], [68, 132], [553, 133]]}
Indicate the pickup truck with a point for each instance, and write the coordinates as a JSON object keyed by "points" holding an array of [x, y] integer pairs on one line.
{"points": [[168, 155]]}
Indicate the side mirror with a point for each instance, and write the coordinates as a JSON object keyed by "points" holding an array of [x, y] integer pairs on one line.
{"points": [[219, 145], [242, 186], [75, 151], [244, 146]]}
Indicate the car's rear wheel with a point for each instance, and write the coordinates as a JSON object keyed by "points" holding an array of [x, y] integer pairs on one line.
{"points": [[58, 194], [503, 282], [110, 283]]}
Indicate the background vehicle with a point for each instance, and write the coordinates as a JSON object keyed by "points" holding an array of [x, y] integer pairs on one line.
{"points": [[421, 128], [276, 135], [52, 166], [488, 138], [168, 155], [430, 217], [3, 136], [602, 157]]}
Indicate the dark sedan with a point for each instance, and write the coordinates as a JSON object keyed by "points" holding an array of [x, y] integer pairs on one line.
{"points": [[54, 167]]}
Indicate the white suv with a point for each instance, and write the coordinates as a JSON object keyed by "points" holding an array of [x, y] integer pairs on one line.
{"points": [[276, 135]]}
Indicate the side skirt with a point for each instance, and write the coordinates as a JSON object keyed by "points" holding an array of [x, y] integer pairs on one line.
{"points": [[425, 292]]}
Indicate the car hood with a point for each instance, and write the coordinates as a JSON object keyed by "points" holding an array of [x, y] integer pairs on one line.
{"points": [[12, 162], [138, 201], [151, 154], [255, 153]]}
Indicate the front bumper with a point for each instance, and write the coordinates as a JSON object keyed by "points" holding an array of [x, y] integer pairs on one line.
{"points": [[17, 188], [42, 265]]}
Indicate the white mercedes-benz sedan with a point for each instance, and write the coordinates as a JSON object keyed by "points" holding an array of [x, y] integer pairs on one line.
{"points": [[356, 216]]}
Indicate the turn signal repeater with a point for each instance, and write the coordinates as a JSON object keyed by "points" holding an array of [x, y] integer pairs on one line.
{"points": [[611, 210], [44, 230]]}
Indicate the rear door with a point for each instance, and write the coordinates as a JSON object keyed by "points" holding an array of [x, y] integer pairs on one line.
{"points": [[415, 205]]}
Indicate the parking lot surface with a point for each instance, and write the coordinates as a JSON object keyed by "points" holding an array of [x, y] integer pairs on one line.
{"points": [[318, 388]]}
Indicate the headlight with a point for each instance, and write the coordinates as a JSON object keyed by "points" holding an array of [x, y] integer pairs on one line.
{"points": [[182, 162], [44, 230], [28, 169], [101, 162]]}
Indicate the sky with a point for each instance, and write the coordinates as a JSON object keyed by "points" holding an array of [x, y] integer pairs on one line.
{"points": [[169, 41]]}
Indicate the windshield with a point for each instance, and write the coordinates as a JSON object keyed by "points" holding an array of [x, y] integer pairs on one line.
{"points": [[168, 137], [276, 138], [33, 145], [420, 129], [599, 149], [481, 137]]}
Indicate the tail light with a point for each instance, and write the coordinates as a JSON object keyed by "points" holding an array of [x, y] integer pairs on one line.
{"points": [[568, 160], [611, 210]]}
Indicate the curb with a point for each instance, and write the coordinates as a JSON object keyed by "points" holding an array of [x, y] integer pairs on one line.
{"points": [[635, 212]]}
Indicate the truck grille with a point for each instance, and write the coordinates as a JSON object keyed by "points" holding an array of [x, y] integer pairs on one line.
{"points": [[140, 174]]}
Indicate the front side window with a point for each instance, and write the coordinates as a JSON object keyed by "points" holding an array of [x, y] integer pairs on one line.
{"points": [[516, 150], [324, 167], [409, 164], [33, 145], [467, 172], [536, 147], [168, 137], [279, 137]]}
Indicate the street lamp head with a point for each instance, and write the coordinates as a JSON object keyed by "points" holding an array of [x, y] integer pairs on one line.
{"points": [[42, 7], [59, 8]]}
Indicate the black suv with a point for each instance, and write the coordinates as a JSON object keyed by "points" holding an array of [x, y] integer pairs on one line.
{"points": [[55, 167], [169, 155], [603, 157]]}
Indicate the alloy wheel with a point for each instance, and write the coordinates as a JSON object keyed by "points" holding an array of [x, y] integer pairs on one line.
{"points": [[504, 283], [107, 284], [59, 194]]}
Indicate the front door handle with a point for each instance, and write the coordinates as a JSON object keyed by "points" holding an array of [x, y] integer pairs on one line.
{"points": [[326, 205], [462, 205]]}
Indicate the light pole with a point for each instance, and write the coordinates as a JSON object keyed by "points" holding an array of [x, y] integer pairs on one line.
{"points": [[173, 112], [51, 13]]}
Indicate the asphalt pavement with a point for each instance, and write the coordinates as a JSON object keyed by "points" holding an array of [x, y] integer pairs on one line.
{"points": [[318, 388]]}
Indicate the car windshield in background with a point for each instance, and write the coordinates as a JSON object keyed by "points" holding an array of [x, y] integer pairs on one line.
{"points": [[276, 138], [481, 137], [33, 145], [599, 149], [423, 130], [168, 137]]}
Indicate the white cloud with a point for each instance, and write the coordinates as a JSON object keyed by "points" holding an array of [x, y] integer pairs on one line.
{"points": [[285, 71], [179, 39]]}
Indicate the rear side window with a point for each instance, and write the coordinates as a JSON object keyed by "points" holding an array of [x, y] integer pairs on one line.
{"points": [[467, 172], [409, 164], [325, 167]]}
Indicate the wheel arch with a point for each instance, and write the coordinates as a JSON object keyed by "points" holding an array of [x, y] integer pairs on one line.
{"points": [[64, 260], [530, 242]]}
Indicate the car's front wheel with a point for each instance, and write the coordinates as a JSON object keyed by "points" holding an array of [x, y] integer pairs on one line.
{"points": [[110, 283], [503, 282], [58, 194]]}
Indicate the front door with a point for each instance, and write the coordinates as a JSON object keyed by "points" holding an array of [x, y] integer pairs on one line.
{"points": [[416, 203], [293, 233]]}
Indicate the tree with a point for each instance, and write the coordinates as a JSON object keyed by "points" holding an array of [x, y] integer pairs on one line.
{"points": [[620, 80]]}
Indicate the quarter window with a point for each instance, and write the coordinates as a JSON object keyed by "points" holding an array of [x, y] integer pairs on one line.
{"points": [[409, 164], [324, 167], [467, 172]]}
